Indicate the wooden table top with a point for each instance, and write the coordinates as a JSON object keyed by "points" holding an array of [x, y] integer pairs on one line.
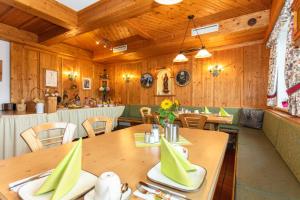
{"points": [[117, 152], [216, 119]]}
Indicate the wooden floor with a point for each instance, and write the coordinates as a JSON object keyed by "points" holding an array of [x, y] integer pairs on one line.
{"points": [[224, 189]]}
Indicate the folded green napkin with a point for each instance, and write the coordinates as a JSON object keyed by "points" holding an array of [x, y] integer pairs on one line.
{"points": [[174, 165], [223, 113], [206, 111], [65, 175]]}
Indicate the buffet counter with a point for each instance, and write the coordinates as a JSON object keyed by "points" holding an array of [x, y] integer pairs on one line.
{"points": [[12, 124]]}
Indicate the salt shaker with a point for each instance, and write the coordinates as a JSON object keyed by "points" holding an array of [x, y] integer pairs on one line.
{"points": [[155, 133], [151, 139], [147, 138]]}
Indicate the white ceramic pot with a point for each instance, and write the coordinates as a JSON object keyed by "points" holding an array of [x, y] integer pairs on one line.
{"points": [[39, 108], [108, 187]]}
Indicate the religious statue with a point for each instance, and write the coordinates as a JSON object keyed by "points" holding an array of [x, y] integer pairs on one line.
{"points": [[166, 84]]}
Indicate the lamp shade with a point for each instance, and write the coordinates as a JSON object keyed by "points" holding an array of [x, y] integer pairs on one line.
{"points": [[168, 2], [180, 58], [203, 53]]}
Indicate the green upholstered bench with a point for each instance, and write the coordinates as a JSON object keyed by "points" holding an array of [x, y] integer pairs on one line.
{"points": [[268, 161], [132, 114]]}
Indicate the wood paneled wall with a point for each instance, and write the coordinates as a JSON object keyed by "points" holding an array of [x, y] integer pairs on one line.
{"points": [[243, 83], [28, 65]]}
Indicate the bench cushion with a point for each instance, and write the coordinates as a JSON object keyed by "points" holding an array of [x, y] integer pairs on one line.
{"points": [[261, 172], [285, 136], [288, 145], [270, 126]]}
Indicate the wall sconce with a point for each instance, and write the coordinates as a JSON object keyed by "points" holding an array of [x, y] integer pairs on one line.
{"points": [[215, 70], [127, 77], [72, 76]]}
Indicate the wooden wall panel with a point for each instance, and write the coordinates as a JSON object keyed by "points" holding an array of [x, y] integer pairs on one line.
{"points": [[254, 76], [28, 66], [242, 83], [24, 72], [49, 61]]}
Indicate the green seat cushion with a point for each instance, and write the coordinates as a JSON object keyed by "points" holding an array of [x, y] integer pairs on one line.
{"points": [[126, 111], [134, 111], [261, 172], [229, 127], [270, 126], [288, 145]]}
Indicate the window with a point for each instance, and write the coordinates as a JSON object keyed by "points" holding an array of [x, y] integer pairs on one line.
{"points": [[282, 96]]}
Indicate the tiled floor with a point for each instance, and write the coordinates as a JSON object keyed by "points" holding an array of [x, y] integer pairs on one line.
{"points": [[225, 186]]}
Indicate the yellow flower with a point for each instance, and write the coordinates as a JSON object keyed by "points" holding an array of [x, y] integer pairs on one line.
{"points": [[166, 104], [176, 102]]}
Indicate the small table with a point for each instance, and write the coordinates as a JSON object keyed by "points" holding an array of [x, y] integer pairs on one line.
{"points": [[213, 119], [117, 152]]}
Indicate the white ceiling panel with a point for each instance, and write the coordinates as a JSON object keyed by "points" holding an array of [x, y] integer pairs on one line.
{"points": [[77, 5]]}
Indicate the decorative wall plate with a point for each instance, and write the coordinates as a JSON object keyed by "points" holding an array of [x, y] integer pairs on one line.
{"points": [[183, 78], [147, 80]]}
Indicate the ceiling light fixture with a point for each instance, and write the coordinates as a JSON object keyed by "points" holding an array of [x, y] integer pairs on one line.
{"points": [[181, 57], [168, 2], [202, 52]]}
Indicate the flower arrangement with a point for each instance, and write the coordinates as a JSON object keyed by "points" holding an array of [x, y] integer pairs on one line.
{"points": [[167, 111]]}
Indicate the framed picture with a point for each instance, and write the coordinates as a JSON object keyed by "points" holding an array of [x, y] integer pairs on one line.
{"points": [[86, 83], [51, 78], [183, 78], [147, 80]]}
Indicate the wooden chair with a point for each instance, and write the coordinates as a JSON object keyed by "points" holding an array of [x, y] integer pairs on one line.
{"points": [[88, 125], [193, 120], [35, 141], [146, 115]]}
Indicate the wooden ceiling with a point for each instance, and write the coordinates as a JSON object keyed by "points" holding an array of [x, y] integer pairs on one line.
{"points": [[17, 18], [146, 27]]}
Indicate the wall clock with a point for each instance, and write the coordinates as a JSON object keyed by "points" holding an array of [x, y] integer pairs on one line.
{"points": [[183, 78], [147, 80]]}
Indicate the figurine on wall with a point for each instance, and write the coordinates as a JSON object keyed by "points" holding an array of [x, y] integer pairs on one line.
{"points": [[77, 100], [166, 84]]}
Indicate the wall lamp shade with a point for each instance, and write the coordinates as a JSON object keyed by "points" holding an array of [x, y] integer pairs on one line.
{"points": [[215, 70], [180, 58], [127, 77], [168, 2], [203, 53]]}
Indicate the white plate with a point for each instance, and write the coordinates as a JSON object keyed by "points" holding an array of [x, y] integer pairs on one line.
{"points": [[197, 177], [91, 194], [86, 182]]}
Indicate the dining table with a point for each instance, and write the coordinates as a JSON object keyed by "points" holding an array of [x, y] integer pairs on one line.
{"points": [[213, 119], [116, 152]]}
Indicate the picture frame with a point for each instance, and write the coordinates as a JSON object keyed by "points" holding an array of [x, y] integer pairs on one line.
{"points": [[147, 80], [51, 78], [86, 83], [182, 78]]}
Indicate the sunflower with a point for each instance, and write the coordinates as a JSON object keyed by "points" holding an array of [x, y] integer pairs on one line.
{"points": [[166, 104]]}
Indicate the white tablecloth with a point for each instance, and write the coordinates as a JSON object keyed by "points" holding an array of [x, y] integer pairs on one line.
{"points": [[11, 126]]}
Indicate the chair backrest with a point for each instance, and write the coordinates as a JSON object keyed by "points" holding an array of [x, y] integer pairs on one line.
{"points": [[32, 136], [88, 125], [146, 115], [193, 120]]}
